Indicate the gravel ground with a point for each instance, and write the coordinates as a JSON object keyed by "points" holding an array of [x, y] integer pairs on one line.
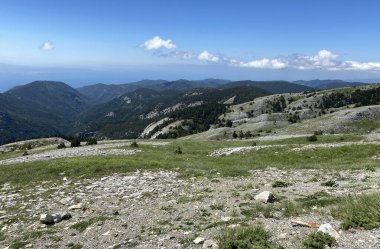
{"points": [[160, 210]]}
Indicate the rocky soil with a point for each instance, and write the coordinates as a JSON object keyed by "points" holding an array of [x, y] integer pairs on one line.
{"points": [[161, 210]]}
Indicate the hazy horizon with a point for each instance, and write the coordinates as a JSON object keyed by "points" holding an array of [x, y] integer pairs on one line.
{"points": [[82, 43]]}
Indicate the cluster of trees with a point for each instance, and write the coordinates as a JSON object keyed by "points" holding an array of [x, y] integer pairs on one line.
{"points": [[242, 134], [358, 97]]}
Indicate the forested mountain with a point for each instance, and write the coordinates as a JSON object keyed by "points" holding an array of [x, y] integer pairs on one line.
{"points": [[39, 108], [128, 115], [101, 93], [125, 111], [273, 87], [328, 84]]}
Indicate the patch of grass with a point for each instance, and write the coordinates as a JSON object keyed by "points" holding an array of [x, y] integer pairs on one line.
{"points": [[245, 237], [186, 199], [318, 240], [164, 222], [18, 245], [167, 208], [368, 125], [217, 206], [280, 184], [147, 194], [258, 209], [74, 246], [195, 162], [319, 199], [359, 212], [2, 236], [330, 183], [83, 225], [291, 209], [156, 230]]}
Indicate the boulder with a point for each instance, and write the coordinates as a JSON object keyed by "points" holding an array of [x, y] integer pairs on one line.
{"points": [[47, 219], [265, 197], [199, 240], [210, 244], [328, 229]]}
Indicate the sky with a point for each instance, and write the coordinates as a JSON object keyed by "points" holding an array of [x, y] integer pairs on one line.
{"points": [[84, 42]]}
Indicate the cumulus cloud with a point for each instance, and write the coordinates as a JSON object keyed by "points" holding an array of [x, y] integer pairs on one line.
{"points": [[323, 60], [206, 56], [264, 63], [157, 43], [48, 45]]}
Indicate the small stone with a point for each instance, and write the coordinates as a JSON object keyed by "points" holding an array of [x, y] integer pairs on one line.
{"points": [[76, 206], [265, 197], [233, 225], [209, 244], [199, 240], [66, 200], [47, 219], [106, 233], [226, 218], [328, 229]]}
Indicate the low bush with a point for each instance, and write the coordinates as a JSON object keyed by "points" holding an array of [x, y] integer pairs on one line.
{"points": [[61, 145], [280, 184], [359, 212], [75, 142], [134, 144], [312, 138], [319, 240], [92, 141], [245, 237], [178, 150]]}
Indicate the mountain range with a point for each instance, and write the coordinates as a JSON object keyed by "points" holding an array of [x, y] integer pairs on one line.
{"points": [[43, 108]]}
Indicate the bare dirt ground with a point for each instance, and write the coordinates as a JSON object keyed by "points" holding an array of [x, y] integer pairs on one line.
{"points": [[160, 210]]}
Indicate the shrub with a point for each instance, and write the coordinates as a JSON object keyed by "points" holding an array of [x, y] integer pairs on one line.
{"points": [[319, 240], [92, 141], [134, 144], [319, 132], [178, 150], [61, 145], [245, 237], [234, 135], [329, 183], [25, 153], [312, 138], [359, 212], [75, 142], [280, 184], [229, 123]]}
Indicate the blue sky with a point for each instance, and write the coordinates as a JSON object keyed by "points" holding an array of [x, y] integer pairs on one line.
{"points": [[85, 42]]}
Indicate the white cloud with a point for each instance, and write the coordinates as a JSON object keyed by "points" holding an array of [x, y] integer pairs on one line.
{"points": [[157, 43], [47, 46], [361, 66], [264, 63], [324, 60], [206, 56]]}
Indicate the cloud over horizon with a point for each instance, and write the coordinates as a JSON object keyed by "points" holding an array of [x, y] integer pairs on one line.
{"points": [[157, 43], [323, 60]]}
